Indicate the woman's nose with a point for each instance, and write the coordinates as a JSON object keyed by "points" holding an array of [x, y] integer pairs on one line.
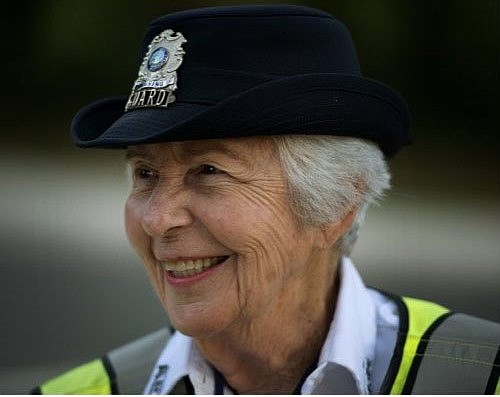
{"points": [[166, 210]]}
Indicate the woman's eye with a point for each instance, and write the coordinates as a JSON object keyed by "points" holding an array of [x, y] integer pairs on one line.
{"points": [[144, 174], [206, 169]]}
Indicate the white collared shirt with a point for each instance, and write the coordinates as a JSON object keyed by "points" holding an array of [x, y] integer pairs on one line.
{"points": [[353, 360]]}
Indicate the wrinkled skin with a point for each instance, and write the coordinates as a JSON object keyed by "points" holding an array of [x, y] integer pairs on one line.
{"points": [[228, 198]]}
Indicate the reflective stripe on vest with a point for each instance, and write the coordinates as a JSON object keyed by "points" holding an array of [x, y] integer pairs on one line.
{"points": [[90, 378], [134, 362], [125, 370], [457, 356], [416, 318], [440, 352]]}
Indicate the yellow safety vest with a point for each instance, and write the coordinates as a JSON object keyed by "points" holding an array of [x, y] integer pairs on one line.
{"points": [[437, 352]]}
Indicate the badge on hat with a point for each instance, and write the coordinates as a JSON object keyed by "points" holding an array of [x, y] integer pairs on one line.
{"points": [[157, 79]]}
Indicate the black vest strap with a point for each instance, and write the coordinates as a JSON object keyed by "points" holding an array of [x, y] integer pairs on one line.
{"points": [[184, 386]]}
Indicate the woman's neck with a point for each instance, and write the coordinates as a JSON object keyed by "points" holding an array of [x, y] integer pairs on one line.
{"points": [[271, 353]]}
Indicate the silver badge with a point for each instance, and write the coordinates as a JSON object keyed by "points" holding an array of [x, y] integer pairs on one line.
{"points": [[157, 79]]}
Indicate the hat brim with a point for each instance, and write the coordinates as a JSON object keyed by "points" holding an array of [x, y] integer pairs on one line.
{"points": [[312, 104]]}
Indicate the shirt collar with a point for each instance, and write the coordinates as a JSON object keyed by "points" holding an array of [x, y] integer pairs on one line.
{"points": [[349, 347], [344, 362], [172, 365]]}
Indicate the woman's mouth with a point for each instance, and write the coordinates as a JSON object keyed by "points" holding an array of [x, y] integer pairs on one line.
{"points": [[191, 267]]}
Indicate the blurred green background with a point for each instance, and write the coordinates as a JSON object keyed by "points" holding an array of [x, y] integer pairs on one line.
{"points": [[71, 288]]}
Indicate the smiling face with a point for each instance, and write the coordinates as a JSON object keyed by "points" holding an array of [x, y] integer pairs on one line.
{"points": [[212, 223]]}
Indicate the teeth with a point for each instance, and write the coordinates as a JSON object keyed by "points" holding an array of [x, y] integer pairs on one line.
{"points": [[190, 267]]}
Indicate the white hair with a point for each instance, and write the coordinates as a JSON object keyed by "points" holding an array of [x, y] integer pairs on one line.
{"points": [[328, 176]]}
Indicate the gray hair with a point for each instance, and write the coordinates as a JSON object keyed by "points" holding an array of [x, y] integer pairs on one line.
{"points": [[328, 176]]}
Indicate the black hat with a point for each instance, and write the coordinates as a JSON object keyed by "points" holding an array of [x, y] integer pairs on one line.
{"points": [[247, 71]]}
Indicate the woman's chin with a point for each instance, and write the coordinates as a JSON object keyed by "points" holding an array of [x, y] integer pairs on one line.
{"points": [[197, 324], [196, 330]]}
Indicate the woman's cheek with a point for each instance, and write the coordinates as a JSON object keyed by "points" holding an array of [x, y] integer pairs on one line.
{"points": [[140, 241], [135, 233]]}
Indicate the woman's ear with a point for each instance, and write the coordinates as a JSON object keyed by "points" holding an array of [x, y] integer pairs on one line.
{"points": [[330, 233]]}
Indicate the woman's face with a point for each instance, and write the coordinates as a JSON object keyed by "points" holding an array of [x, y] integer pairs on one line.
{"points": [[212, 223]]}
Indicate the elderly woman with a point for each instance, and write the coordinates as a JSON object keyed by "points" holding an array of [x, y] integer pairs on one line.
{"points": [[255, 147]]}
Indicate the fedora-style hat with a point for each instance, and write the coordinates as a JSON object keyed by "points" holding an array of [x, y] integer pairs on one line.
{"points": [[246, 71]]}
